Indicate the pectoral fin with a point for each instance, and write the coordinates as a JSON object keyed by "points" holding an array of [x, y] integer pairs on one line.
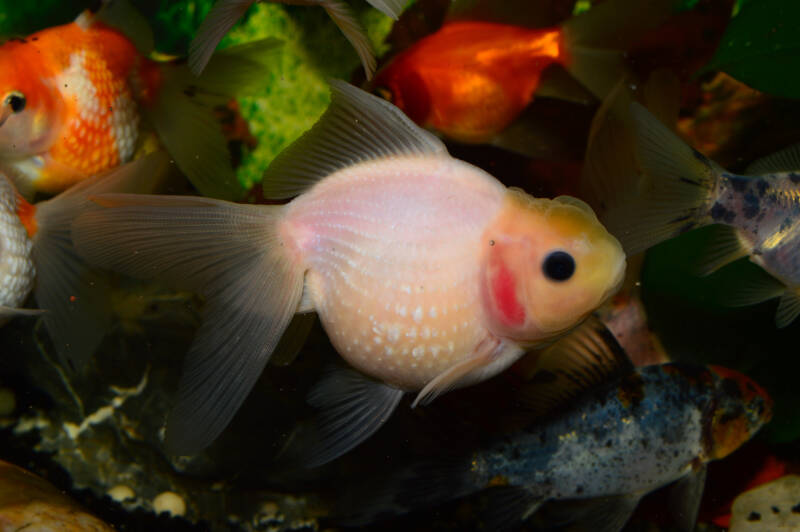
{"points": [[684, 499], [486, 362]]}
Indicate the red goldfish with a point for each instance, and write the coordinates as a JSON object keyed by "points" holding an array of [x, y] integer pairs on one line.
{"points": [[225, 13], [427, 273], [72, 98], [471, 79]]}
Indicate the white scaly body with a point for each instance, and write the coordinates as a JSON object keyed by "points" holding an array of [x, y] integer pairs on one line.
{"points": [[17, 272]]}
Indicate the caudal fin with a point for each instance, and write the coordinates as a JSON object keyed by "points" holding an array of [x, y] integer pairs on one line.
{"points": [[597, 39], [676, 191], [231, 254], [74, 296], [183, 115]]}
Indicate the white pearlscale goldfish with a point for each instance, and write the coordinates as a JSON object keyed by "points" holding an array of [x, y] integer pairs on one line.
{"points": [[427, 273]]}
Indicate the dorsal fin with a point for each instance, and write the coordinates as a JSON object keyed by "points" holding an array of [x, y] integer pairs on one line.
{"points": [[121, 15], [587, 357], [356, 127], [515, 12], [785, 160]]}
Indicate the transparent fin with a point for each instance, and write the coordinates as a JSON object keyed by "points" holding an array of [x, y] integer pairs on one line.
{"points": [[597, 70], [340, 14], [482, 365], [684, 499], [192, 135], [786, 160], [557, 83], [530, 136], [223, 16], [293, 340], [788, 309], [122, 15], [74, 295], [678, 188], [352, 408], [600, 514], [617, 24], [356, 127], [9, 312], [391, 8], [235, 71], [507, 507], [724, 247], [421, 485], [755, 289], [585, 358], [516, 12], [231, 254]]}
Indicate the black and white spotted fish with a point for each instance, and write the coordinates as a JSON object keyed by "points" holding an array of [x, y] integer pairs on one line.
{"points": [[757, 215], [623, 434]]}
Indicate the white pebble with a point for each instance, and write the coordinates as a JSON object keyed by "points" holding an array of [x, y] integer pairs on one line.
{"points": [[170, 503]]}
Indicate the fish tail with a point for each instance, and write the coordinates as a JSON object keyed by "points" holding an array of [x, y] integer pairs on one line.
{"points": [[676, 190], [596, 40], [182, 114], [235, 257], [423, 485], [75, 297]]}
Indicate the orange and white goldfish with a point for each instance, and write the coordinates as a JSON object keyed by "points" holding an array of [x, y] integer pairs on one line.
{"points": [[72, 98], [427, 273], [471, 79], [36, 255], [225, 13]]}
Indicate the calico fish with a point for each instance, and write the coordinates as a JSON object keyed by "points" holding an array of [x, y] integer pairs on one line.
{"points": [[427, 273], [225, 13], [755, 215], [594, 453], [72, 99]]}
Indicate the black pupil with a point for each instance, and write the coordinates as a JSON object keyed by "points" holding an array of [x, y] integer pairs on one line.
{"points": [[559, 266], [16, 102]]}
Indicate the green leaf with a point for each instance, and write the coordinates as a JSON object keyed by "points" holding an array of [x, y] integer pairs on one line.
{"points": [[761, 47]]}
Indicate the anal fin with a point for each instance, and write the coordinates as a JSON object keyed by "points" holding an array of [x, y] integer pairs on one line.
{"points": [[725, 247], [10, 312], [788, 308]]}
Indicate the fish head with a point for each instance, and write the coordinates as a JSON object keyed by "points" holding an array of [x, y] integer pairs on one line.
{"points": [[548, 264], [30, 105], [405, 88], [739, 409]]}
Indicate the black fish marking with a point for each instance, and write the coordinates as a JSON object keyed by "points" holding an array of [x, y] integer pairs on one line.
{"points": [[751, 205], [754, 516], [720, 214], [762, 186], [794, 177]]}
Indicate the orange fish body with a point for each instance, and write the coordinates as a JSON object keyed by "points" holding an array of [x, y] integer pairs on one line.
{"points": [[80, 86], [470, 80]]}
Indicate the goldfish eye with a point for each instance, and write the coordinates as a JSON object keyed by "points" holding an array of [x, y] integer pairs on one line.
{"points": [[383, 92], [558, 266], [15, 100]]}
